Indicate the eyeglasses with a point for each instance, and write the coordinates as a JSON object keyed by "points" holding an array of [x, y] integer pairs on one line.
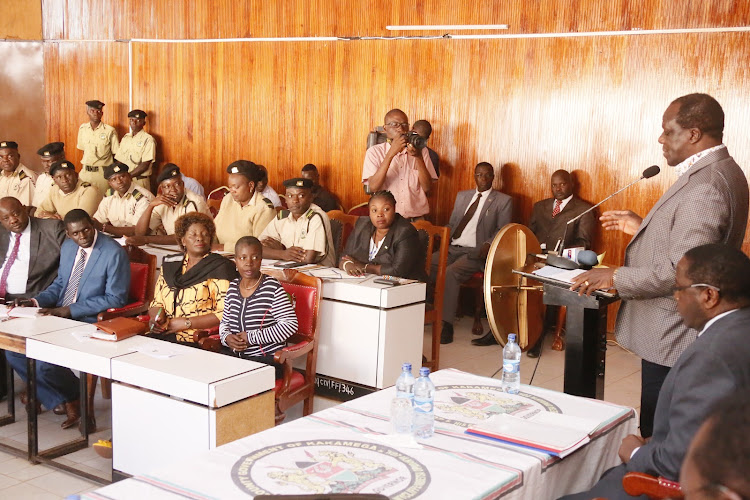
{"points": [[397, 125], [695, 285]]}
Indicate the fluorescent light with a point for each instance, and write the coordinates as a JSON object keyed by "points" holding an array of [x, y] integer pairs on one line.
{"points": [[442, 27]]}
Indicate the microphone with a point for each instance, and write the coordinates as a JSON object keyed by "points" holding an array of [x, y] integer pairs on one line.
{"points": [[647, 174]]}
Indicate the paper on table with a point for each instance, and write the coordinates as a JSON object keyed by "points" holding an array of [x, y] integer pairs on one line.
{"points": [[556, 273], [544, 431], [18, 312], [331, 273], [149, 349]]}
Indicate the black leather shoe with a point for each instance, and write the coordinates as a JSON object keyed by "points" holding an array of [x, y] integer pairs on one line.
{"points": [[536, 349], [446, 336], [487, 339]]}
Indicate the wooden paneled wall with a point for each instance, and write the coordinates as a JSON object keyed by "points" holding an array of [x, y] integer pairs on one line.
{"points": [[529, 106]]}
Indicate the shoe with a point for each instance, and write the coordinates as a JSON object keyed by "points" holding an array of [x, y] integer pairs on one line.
{"points": [[22, 397], [535, 349], [446, 336], [73, 411], [59, 409], [487, 339], [103, 448]]}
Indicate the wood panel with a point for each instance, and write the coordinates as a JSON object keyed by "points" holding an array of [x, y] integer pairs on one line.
{"points": [[21, 20], [126, 19], [76, 72]]}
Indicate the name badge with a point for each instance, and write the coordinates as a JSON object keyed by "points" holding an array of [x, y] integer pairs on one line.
{"points": [[102, 137]]}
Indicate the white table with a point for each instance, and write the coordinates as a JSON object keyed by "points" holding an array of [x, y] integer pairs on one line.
{"points": [[166, 409], [346, 449]]}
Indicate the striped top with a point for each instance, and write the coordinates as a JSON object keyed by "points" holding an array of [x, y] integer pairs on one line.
{"points": [[267, 316]]}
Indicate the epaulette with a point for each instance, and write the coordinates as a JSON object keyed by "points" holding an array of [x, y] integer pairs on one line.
{"points": [[283, 214], [22, 175], [309, 214], [137, 194], [268, 202], [85, 184], [109, 192]]}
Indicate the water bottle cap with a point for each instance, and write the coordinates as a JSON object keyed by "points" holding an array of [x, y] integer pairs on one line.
{"points": [[405, 367], [424, 371], [511, 337]]}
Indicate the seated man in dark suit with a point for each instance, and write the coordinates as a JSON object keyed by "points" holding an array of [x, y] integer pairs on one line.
{"points": [[712, 290], [549, 222], [321, 196], [718, 459], [478, 215], [30, 253], [93, 276]]}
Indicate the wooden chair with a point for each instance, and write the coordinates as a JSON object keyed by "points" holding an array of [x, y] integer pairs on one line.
{"points": [[360, 210], [214, 199], [341, 227], [142, 281], [637, 484], [434, 315], [296, 386]]}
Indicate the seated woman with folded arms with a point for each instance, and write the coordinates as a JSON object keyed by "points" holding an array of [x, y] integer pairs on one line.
{"points": [[190, 291], [384, 243], [258, 314]]}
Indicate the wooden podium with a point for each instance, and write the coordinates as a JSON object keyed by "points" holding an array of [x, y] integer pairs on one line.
{"points": [[586, 335]]}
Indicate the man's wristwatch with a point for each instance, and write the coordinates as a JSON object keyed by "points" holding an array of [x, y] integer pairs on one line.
{"points": [[188, 324]]}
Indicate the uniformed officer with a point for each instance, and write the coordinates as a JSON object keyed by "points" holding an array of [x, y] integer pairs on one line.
{"points": [[69, 192], [156, 224], [302, 233], [138, 150], [16, 179], [48, 154], [99, 143], [123, 204], [244, 212]]}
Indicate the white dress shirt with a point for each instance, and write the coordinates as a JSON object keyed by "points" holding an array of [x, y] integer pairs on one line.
{"points": [[468, 237], [19, 271]]}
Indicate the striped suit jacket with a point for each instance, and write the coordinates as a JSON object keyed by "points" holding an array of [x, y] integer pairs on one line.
{"points": [[707, 204]]}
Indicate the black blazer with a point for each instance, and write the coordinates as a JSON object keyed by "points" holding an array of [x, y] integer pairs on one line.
{"points": [[47, 236], [401, 254]]}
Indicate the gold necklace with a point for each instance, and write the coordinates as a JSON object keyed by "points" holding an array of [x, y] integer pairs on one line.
{"points": [[254, 284]]}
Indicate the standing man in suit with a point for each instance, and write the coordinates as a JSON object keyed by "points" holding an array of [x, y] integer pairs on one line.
{"points": [[549, 222], [29, 252], [93, 276], [712, 294], [707, 204], [478, 215]]}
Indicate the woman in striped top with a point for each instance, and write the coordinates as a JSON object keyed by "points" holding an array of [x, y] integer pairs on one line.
{"points": [[258, 314]]}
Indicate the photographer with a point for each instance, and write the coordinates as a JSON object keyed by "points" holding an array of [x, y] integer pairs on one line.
{"points": [[402, 166]]}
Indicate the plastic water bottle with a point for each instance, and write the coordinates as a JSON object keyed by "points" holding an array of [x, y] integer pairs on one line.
{"points": [[402, 411], [511, 365], [424, 398]]}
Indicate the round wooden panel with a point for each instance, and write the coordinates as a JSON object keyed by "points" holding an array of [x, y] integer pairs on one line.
{"points": [[513, 305]]}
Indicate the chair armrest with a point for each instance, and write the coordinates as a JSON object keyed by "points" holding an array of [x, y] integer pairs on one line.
{"points": [[293, 352]]}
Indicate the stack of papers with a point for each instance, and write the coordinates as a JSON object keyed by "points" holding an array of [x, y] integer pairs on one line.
{"points": [[565, 275], [552, 433], [18, 312]]}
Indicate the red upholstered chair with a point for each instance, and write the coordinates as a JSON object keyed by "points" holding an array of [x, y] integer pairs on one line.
{"points": [[360, 210], [214, 199], [341, 227], [638, 483], [296, 386]]}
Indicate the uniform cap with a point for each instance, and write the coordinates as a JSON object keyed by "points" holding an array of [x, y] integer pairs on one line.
{"points": [[116, 168], [9, 144], [298, 182], [170, 170], [137, 113], [60, 165], [95, 104], [51, 149]]}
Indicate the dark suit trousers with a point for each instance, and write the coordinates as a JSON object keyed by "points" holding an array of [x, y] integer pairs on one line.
{"points": [[652, 378], [460, 268], [609, 486]]}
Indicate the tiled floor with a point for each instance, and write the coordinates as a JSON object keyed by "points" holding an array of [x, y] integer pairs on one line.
{"points": [[21, 480]]}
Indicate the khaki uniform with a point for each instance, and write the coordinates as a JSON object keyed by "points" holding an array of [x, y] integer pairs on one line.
{"points": [[42, 188], [165, 216], [123, 211], [235, 221], [84, 196], [20, 184], [312, 231], [133, 151], [99, 146]]}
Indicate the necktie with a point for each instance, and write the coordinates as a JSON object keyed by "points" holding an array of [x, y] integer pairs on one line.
{"points": [[8, 264], [467, 217], [75, 279], [556, 209]]}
